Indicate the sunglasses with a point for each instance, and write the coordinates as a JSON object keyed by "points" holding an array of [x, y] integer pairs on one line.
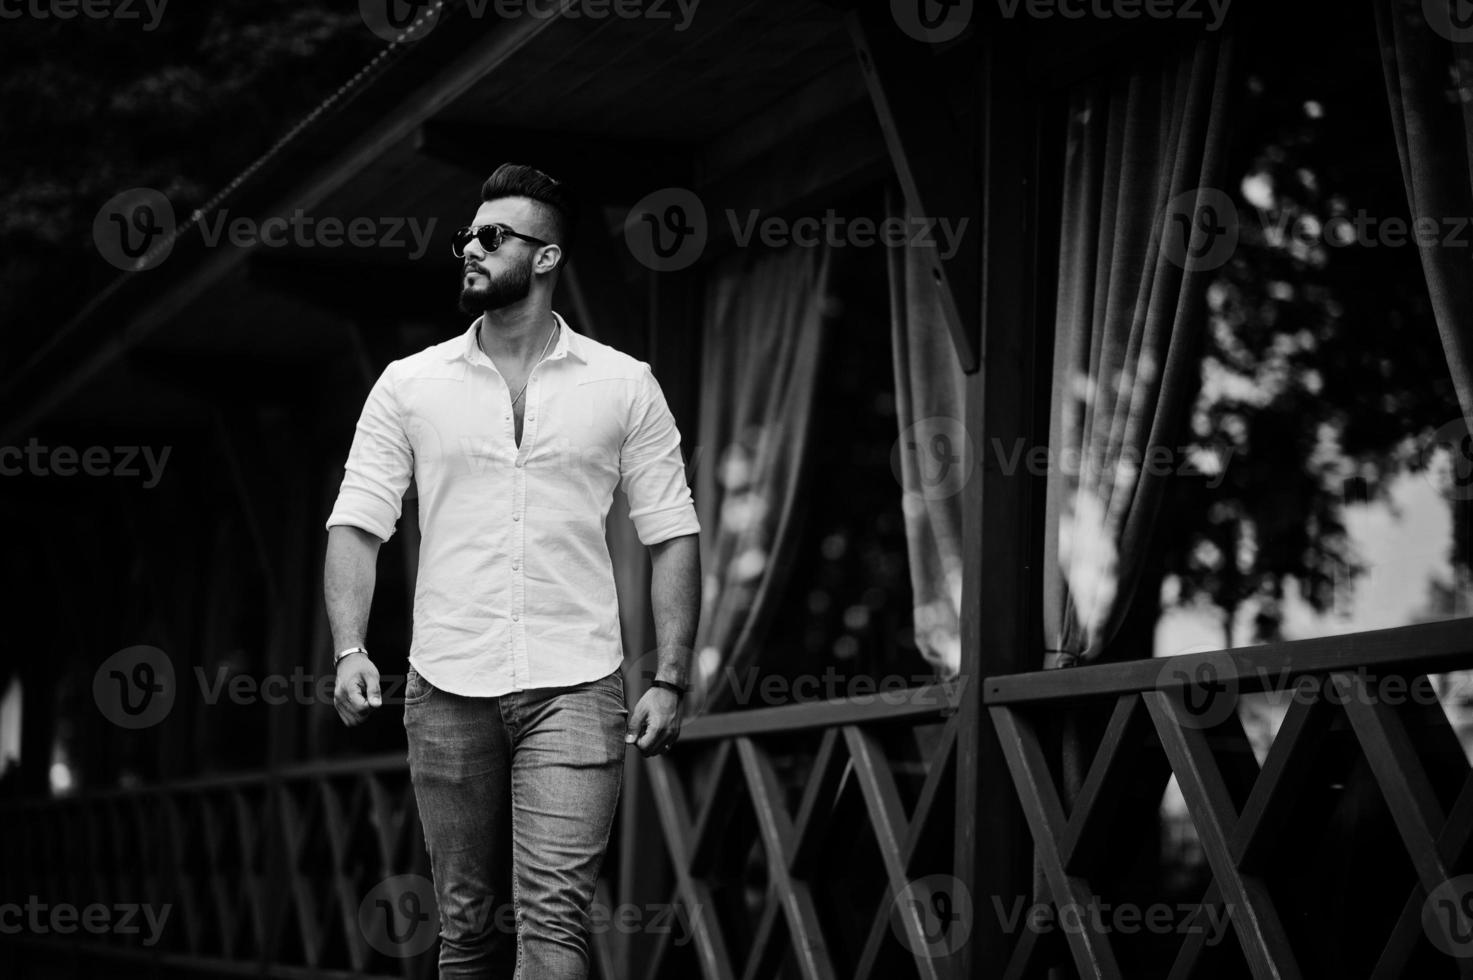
{"points": [[490, 237]]}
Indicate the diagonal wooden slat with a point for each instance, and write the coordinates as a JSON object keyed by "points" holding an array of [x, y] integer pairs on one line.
{"points": [[940, 771], [1092, 952], [297, 823], [1256, 921], [1454, 844], [941, 768], [1393, 759], [710, 943], [817, 807], [179, 876], [252, 882], [340, 903], [656, 965], [1118, 758], [716, 810], [1187, 957], [1024, 960], [1291, 758], [888, 820], [765, 957], [778, 841], [1103, 784], [1408, 792]]}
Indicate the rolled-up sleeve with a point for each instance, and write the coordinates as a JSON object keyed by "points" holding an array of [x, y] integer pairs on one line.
{"points": [[379, 465], [651, 470]]}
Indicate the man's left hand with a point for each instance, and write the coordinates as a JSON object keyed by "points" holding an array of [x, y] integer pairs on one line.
{"points": [[654, 725]]}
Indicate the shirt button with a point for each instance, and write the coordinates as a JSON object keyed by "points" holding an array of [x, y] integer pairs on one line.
{"points": [[519, 462], [516, 517], [516, 565], [515, 617]]}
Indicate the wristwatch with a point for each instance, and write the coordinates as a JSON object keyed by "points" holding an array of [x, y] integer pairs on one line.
{"points": [[337, 658]]}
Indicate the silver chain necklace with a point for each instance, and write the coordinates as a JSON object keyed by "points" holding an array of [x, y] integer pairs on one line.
{"points": [[550, 334]]}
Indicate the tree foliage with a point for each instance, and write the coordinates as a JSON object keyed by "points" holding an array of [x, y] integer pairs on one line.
{"points": [[96, 107]]}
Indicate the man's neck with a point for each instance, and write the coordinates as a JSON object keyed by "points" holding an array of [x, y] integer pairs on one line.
{"points": [[518, 333]]}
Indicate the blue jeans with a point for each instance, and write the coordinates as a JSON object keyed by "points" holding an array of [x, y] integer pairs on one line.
{"points": [[517, 796]]}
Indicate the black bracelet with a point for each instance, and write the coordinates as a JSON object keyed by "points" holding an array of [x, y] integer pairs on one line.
{"points": [[667, 685]]}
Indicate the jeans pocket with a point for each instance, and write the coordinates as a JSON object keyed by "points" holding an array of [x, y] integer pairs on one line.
{"points": [[416, 688], [615, 681]]}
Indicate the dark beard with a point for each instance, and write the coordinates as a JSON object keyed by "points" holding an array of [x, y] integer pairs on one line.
{"points": [[495, 294]]}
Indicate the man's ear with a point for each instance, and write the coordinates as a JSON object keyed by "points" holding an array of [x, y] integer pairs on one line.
{"points": [[550, 258]]}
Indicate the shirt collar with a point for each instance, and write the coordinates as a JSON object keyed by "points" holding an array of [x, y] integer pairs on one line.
{"points": [[569, 341]]}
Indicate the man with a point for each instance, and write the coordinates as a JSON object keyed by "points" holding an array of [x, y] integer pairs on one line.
{"points": [[516, 433]]}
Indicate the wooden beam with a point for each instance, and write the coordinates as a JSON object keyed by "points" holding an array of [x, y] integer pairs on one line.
{"points": [[909, 706], [1001, 512], [63, 373], [1418, 649], [908, 90]]}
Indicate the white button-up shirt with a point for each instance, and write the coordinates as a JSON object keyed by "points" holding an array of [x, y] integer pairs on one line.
{"points": [[515, 587]]}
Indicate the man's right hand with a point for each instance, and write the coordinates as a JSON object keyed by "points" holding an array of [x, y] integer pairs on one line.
{"points": [[357, 693]]}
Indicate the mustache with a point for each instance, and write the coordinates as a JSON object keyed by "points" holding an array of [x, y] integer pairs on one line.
{"points": [[473, 267]]}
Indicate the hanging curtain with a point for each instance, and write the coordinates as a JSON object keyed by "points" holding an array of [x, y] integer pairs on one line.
{"points": [[1429, 83], [930, 402], [764, 330], [1143, 144]]}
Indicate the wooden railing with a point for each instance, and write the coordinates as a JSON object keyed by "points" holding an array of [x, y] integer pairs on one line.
{"points": [[260, 873], [1361, 712], [789, 833], [865, 785]]}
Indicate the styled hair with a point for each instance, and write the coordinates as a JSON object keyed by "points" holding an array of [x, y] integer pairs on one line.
{"points": [[520, 180]]}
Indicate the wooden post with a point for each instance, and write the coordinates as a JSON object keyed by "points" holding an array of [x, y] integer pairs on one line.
{"points": [[1000, 517]]}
